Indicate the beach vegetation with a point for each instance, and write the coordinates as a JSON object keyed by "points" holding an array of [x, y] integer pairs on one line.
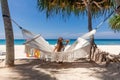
{"points": [[114, 21], [66, 8]]}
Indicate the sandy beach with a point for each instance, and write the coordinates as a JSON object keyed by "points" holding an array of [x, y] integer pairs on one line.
{"points": [[20, 50], [29, 69], [112, 49]]}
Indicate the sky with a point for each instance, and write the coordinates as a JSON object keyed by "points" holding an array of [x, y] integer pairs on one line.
{"points": [[27, 15]]}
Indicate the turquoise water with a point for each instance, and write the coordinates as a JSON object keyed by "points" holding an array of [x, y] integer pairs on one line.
{"points": [[53, 41]]}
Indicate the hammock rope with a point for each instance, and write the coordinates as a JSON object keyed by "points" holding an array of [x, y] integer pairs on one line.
{"points": [[13, 21], [99, 25]]}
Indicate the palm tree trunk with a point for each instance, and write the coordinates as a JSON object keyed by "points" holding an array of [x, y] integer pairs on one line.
{"points": [[89, 17], [8, 34], [90, 27]]}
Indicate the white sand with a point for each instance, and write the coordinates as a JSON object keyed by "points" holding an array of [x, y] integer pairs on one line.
{"points": [[112, 49], [53, 71], [20, 50]]}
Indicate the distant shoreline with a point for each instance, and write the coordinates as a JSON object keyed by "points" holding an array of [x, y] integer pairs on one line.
{"points": [[54, 41]]}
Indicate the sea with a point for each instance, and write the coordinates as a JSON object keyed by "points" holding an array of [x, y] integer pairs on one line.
{"points": [[54, 41]]}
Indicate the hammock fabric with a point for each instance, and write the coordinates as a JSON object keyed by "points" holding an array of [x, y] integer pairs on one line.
{"points": [[37, 45]]}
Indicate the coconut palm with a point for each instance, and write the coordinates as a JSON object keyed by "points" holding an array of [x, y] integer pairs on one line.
{"points": [[91, 8], [8, 34], [66, 7], [114, 22]]}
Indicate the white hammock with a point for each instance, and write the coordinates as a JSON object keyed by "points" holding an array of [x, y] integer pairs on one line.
{"points": [[79, 49]]}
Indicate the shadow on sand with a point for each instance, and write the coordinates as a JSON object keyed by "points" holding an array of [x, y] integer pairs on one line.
{"points": [[41, 70]]}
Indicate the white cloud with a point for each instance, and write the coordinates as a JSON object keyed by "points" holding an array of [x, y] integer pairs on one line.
{"points": [[2, 36], [16, 36], [98, 35], [64, 35], [107, 34], [103, 35]]}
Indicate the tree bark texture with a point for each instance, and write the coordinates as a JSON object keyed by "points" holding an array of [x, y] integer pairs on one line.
{"points": [[8, 34]]}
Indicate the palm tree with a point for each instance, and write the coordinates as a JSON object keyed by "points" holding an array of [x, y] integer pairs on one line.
{"points": [[66, 7], [8, 34], [114, 22], [91, 8], [96, 7]]}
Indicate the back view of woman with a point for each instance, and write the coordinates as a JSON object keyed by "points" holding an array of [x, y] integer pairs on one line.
{"points": [[59, 47]]}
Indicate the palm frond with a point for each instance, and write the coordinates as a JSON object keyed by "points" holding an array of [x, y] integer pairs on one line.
{"points": [[68, 7], [114, 22]]}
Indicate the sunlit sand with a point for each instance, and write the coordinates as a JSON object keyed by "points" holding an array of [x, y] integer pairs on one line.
{"points": [[36, 69]]}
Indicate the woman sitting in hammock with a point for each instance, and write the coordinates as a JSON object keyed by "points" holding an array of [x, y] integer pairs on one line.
{"points": [[60, 46]]}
